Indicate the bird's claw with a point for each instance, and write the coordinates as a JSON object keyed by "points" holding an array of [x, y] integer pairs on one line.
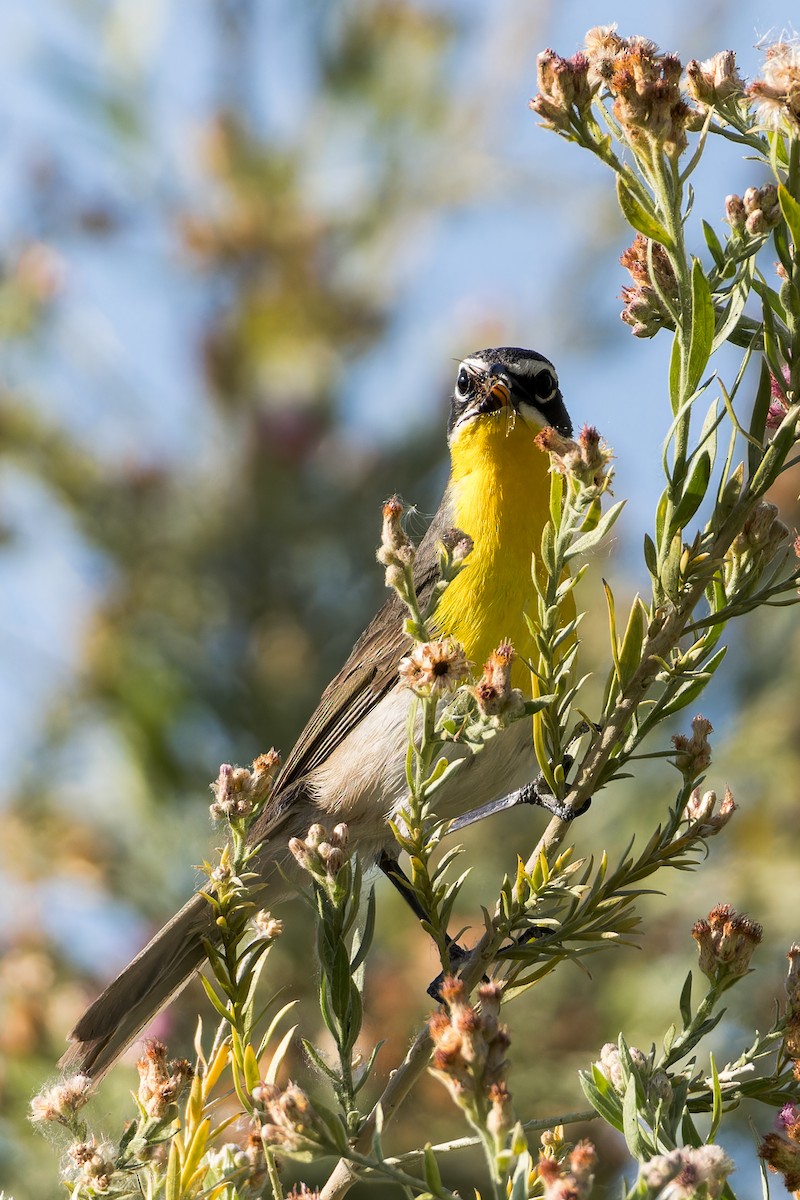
{"points": [[539, 793], [458, 956]]}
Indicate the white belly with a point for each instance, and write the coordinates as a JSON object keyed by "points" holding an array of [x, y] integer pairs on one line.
{"points": [[363, 782]]}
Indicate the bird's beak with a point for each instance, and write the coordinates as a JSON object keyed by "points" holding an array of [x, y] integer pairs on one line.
{"points": [[498, 396]]}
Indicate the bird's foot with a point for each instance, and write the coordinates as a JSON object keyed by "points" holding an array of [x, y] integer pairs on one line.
{"points": [[458, 956], [539, 793]]}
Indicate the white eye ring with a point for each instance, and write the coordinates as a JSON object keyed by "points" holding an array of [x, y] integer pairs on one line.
{"points": [[545, 384], [462, 382]]}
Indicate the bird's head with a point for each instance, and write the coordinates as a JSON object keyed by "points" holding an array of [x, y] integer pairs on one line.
{"points": [[499, 385]]}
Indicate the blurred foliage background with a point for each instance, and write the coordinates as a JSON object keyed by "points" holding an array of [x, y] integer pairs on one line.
{"points": [[242, 245]]}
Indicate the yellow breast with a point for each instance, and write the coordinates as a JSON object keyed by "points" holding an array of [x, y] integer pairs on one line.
{"points": [[499, 494]]}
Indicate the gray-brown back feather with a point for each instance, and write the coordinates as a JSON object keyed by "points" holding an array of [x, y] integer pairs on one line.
{"points": [[169, 960]]}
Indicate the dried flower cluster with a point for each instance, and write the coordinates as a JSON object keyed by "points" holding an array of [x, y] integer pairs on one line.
{"points": [[496, 698], [777, 95], [726, 941], [647, 99], [716, 80], [651, 298], [570, 1179], [643, 83], [93, 1164], [780, 1149], [161, 1081], [434, 668], [565, 89], [469, 1055], [239, 791], [291, 1123], [586, 460], [693, 754], [396, 551], [266, 927], [704, 816], [761, 537], [645, 86], [792, 1036], [688, 1172], [779, 399], [62, 1102]]}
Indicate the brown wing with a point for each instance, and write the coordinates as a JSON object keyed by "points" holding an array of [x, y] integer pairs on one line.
{"points": [[370, 670]]}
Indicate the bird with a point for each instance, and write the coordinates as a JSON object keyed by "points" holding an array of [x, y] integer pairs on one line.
{"points": [[348, 763]]}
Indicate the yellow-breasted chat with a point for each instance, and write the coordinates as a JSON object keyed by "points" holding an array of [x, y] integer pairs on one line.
{"points": [[348, 763]]}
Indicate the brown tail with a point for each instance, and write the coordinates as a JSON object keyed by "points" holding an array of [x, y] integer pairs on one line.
{"points": [[129, 1003]]}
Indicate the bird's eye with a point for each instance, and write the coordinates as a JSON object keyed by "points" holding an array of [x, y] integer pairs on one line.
{"points": [[462, 383], [545, 385]]}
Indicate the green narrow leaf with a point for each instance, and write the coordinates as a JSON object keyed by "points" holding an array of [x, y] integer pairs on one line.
{"points": [[366, 933], [675, 397], [592, 515], [194, 1152], [252, 1076], [638, 216], [548, 548], [716, 1107], [758, 420], [689, 691], [612, 629], [631, 649], [739, 294], [690, 1135], [630, 1121], [432, 1175], [669, 1039], [693, 493], [279, 1054], [791, 212], [221, 1008], [352, 1024], [326, 1009], [602, 1097], [708, 434], [714, 245], [340, 981], [685, 1003], [730, 489], [702, 336], [671, 570], [318, 1061], [172, 1183], [377, 1137], [588, 541], [650, 556], [556, 497], [368, 1066], [522, 1171], [661, 516]]}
